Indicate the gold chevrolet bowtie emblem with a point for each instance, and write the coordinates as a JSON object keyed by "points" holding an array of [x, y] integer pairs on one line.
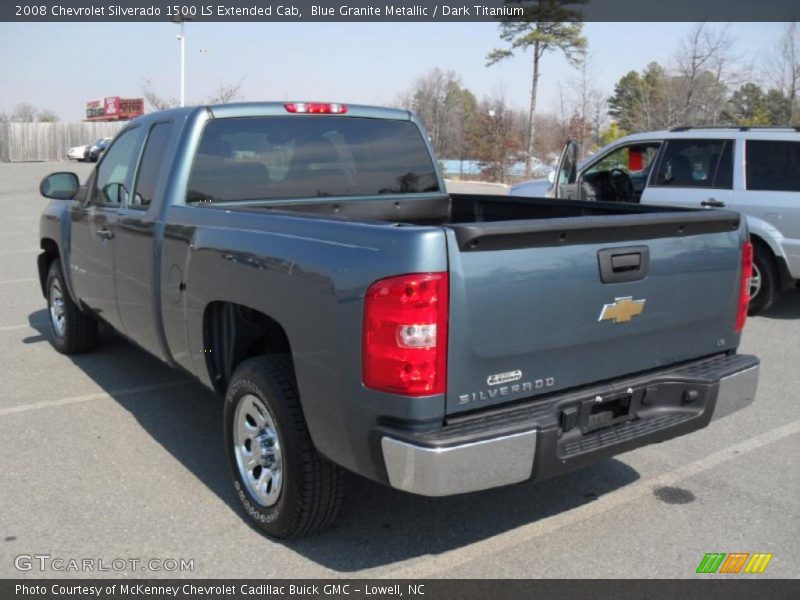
{"points": [[622, 310]]}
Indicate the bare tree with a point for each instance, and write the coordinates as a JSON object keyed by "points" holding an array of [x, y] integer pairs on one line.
{"points": [[498, 137], [551, 134], [154, 100], [226, 92], [47, 116], [584, 109], [786, 69], [24, 113], [445, 108], [704, 65]]}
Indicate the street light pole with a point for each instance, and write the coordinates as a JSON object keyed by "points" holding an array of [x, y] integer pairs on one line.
{"points": [[182, 39], [500, 167], [180, 20]]}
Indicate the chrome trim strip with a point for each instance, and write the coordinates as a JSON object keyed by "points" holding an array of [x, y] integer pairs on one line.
{"points": [[459, 469]]}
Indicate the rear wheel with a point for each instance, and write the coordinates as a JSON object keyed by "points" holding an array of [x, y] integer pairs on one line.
{"points": [[764, 282], [73, 331], [286, 487]]}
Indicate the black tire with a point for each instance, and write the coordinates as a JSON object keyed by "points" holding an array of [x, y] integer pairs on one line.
{"points": [[311, 488], [78, 331], [764, 266]]}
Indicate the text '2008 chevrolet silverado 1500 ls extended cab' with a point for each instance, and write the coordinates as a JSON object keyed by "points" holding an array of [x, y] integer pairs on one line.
{"points": [[305, 261]]}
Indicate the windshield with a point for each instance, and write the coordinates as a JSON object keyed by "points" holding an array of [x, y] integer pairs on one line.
{"points": [[262, 158]]}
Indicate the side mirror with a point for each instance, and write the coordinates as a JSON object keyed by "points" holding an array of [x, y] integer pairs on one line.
{"points": [[60, 186], [551, 177]]}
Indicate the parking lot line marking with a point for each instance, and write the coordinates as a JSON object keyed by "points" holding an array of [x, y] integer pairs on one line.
{"points": [[25, 326], [430, 566], [4, 234], [89, 397], [8, 252]]}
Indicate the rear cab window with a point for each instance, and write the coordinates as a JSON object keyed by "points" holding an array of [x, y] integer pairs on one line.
{"points": [[265, 158], [772, 165], [696, 164]]}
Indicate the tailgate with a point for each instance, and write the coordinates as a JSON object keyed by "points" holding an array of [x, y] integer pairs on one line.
{"points": [[540, 306]]}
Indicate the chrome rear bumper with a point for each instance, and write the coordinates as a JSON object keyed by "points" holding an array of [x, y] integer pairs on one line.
{"points": [[442, 468], [457, 469]]}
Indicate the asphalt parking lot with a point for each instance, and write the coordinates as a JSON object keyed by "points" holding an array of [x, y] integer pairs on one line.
{"points": [[113, 455]]}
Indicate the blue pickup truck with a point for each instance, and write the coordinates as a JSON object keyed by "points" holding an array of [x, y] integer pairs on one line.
{"points": [[306, 262]]}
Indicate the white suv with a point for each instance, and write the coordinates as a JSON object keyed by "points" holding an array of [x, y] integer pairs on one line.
{"points": [[750, 169]]}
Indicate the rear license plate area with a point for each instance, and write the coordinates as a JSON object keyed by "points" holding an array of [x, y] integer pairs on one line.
{"points": [[603, 412]]}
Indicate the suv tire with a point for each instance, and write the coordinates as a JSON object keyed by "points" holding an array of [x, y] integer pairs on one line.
{"points": [[285, 486], [767, 273]]}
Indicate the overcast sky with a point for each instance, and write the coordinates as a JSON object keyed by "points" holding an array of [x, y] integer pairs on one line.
{"points": [[60, 66]]}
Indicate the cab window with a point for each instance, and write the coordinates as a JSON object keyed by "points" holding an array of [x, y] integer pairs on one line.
{"points": [[151, 166], [113, 175], [634, 160], [276, 158], [620, 175], [696, 164]]}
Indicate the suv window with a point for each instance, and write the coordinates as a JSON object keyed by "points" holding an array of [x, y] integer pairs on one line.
{"points": [[112, 179], [151, 165], [696, 163], [633, 159], [259, 158], [773, 166]]}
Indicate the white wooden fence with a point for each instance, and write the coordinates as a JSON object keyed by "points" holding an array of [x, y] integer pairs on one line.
{"points": [[30, 142]]}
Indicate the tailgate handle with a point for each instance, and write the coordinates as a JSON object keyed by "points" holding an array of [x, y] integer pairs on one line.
{"points": [[626, 262], [618, 265]]}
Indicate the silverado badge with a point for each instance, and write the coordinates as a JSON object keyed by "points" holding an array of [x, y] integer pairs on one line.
{"points": [[622, 310]]}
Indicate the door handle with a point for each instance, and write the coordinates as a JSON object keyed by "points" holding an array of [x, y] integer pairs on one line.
{"points": [[104, 233], [712, 203]]}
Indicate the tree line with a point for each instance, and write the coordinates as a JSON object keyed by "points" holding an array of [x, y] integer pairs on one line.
{"points": [[707, 82], [28, 113]]}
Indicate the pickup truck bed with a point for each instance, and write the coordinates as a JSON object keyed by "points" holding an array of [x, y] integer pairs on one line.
{"points": [[313, 270], [534, 236]]}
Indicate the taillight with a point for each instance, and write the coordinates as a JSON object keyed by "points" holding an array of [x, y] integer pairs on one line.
{"points": [[744, 286], [318, 108], [405, 334]]}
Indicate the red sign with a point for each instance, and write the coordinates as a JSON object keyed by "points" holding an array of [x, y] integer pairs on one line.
{"points": [[112, 105]]}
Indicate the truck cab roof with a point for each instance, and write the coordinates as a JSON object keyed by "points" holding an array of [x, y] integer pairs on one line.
{"points": [[275, 109]]}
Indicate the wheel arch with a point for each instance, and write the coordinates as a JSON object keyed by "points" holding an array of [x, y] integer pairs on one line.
{"points": [[45, 259], [785, 278], [233, 333]]}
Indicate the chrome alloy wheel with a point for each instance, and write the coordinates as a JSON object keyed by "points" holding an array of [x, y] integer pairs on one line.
{"points": [[57, 313], [755, 282], [258, 450]]}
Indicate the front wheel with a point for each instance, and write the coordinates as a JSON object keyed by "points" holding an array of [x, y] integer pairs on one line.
{"points": [[73, 331], [286, 487]]}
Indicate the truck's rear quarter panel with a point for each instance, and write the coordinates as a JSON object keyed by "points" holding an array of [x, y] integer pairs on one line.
{"points": [[310, 276]]}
